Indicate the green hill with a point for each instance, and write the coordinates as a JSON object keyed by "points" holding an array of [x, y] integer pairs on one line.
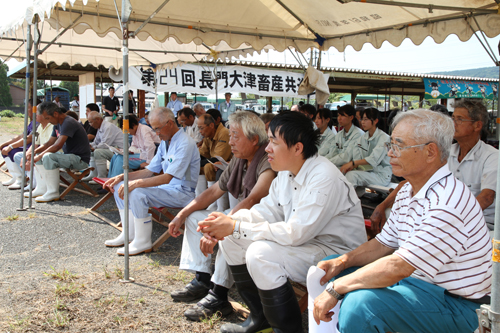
{"points": [[486, 72]]}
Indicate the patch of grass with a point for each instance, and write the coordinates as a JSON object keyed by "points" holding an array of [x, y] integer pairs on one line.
{"points": [[118, 319], [67, 289], [18, 324], [11, 125], [211, 321], [64, 275], [155, 263], [181, 276], [158, 286], [32, 215], [106, 273], [60, 305], [59, 319], [140, 301], [12, 217], [119, 273]]}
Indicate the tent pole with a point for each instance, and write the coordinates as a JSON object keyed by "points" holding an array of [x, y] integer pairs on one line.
{"points": [[36, 45], [26, 98], [126, 8]]}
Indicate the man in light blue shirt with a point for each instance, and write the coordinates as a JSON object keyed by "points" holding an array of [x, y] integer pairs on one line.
{"points": [[227, 107], [174, 104], [179, 159]]}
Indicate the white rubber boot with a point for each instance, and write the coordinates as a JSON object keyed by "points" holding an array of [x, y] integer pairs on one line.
{"points": [[92, 173], [120, 240], [52, 183], [213, 206], [232, 201], [41, 187], [101, 170], [11, 166], [201, 186], [142, 238], [223, 203]]}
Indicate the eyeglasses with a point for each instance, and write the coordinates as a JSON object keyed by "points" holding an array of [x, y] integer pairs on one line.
{"points": [[396, 150], [158, 130], [459, 121]]}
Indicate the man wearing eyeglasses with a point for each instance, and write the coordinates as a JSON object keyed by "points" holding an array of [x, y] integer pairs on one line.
{"points": [[178, 158], [471, 161], [429, 269]]}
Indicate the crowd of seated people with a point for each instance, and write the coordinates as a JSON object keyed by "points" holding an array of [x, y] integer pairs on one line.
{"points": [[293, 184]]}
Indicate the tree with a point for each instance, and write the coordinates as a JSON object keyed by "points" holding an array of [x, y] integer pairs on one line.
{"points": [[72, 86], [5, 96]]}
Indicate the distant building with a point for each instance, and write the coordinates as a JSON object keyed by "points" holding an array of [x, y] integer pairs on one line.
{"points": [[17, 94]]}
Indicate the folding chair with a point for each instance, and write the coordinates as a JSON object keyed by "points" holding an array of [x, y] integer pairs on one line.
{"points": [[77, 179], [162, 216], [93, 209], [4, 171]]}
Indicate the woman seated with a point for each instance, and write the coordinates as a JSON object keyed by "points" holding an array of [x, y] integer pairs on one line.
{"points": [[142, 150], [348, 136], [323, 122], [368, 160]]}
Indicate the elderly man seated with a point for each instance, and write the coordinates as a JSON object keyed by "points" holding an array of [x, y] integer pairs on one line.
{"points": [[471, 161], [108, 135], [248, 178], [187, 119], [67, 134], [215, 143], [43, 134], [430, 267], [141, 151], [180, 162], [199, 109], [311, 210], [13, 146]]}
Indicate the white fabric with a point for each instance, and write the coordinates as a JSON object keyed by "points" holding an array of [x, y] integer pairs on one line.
{"points": [[318, 204], [266, 22], [327, 140], [314, 80], [338, 150], [75, 105], [144, 140], [175, 106], [44, 134], [194, 132], [442, 233], [478, 170], [192, 260], [109, 134]]}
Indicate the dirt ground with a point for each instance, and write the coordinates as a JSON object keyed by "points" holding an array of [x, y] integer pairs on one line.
{"points": [[56, 274]]}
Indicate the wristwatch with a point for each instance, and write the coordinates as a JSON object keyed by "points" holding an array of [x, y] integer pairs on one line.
{"points": [[330, 288], [236, 231], [11, 148]]}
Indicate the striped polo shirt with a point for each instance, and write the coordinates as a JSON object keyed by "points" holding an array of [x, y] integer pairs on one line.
{"points": [[441, 232]]}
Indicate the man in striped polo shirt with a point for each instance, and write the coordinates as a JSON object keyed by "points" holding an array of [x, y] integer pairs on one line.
{"points": [[429, 269]]}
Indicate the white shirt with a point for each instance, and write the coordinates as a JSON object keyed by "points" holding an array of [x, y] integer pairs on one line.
{"points": [[317, 205], [43, 134], [59, 104], [478, 170], [175, 106], [109, 134], [193, 131], [442, 233], [144, 140], [327, 141], [75, 105]]}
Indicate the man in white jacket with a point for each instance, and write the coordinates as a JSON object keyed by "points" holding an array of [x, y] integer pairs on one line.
{"points": [[311, 210]]}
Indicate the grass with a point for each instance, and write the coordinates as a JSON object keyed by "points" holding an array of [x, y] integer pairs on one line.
{"points": [[211, 321], [12, 217], [11, 125], [58, 319], [64, 275], [67, 289], [19, 324]]}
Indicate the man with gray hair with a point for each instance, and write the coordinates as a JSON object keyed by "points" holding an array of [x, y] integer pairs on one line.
{"points": [[178, 158], [67, 134], [247, 178], [108, 135], [199, 110], [429, 269]]}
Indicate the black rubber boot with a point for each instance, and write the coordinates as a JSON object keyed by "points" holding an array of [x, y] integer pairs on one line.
{"points": [[256, 321], [281, 309]]}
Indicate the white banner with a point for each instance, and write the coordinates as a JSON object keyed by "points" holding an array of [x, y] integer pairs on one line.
{"points": [[200, 80]]}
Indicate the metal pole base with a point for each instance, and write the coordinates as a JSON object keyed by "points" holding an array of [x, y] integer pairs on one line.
{"points": [[130, 280]]}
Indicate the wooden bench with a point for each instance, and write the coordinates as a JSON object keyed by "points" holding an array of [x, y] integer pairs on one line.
{"points": [[4, 171], [77, 179]]}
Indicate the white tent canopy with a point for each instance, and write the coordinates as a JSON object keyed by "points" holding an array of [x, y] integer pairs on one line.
{"points": [[280, 23], [90, 49]]}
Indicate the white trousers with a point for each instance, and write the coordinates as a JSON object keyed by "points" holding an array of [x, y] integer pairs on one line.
{"points": [[365, 178], [271, 264], [193, 260]]}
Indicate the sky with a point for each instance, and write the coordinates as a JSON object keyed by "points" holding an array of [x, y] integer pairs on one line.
{"points": [[427, 57]]}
